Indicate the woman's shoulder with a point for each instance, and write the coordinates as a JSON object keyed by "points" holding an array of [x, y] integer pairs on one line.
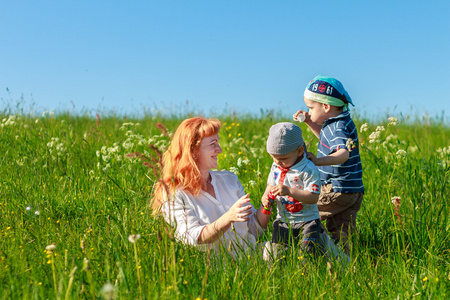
{"points": [[224, 174]]}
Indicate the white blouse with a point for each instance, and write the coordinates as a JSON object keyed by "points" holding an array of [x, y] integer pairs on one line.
{"points": [[191, 213]]}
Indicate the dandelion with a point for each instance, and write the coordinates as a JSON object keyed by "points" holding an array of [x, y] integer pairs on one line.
{"points": [[108, 291], [364, 127], [425, 279], [50, 248], [134, 238]]}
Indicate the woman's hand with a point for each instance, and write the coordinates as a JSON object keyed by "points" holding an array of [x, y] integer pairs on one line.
{"points": [[241, 210]]}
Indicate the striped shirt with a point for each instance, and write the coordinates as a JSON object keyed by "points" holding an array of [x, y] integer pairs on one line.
{"points": [[334, 135]]}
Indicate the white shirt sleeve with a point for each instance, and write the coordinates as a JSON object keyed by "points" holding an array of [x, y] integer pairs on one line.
{"points": [[180, 213], [253, 224]]}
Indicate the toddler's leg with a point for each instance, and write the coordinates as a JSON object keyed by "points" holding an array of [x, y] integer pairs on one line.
{"points": [[342, 224], [339, 210], [312, 238]]}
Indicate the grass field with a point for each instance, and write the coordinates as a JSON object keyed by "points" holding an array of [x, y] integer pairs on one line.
{"points": [[75, 221]]}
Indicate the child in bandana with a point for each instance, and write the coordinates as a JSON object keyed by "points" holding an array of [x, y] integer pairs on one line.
{"points": [[337, 158], [294, 183]]}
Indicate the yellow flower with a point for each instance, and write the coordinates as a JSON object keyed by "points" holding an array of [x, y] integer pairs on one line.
{"points": [[425, 279]]}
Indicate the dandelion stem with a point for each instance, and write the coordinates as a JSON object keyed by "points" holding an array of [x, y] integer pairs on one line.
{"points": [[136, 258], [69, 286]]}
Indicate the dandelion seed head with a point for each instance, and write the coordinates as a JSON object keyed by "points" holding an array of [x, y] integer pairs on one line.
{"points": [[133, 238]]}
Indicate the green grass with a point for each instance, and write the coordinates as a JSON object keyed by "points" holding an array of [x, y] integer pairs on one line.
{"points": [[90, 197]]}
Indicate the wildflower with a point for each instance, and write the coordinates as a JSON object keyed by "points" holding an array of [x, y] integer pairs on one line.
{"points": [[234, 170], [252, 183], [380, 128], [350, 144], [401, 153], [364, 127], [396, 200], [133, 238], [50, 248], [108, 291], [374, 136], [425, 279], [86, 265], [392, 121]]}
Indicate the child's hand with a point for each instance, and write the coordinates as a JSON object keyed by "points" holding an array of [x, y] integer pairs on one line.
{"points": [[281, 190], [311, 157], [265, 201], [304, 113]]}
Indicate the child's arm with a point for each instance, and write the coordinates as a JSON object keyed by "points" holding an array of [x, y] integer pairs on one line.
{"points": [[303, 196], [315, 128], [335, 158], [265, 199]]}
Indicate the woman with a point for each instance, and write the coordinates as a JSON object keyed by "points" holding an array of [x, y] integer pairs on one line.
{"points": [[205, 204]]}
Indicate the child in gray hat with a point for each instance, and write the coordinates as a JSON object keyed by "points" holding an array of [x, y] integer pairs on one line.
{"points": [[294, 183]]}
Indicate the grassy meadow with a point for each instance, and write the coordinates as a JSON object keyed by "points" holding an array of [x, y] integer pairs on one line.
{"points": [[75, 220]]}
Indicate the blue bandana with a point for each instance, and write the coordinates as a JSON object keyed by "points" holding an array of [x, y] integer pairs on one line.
{"points": [[327, 90]]}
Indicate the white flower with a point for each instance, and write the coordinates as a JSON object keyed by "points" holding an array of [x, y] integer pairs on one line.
{"points": [[392, 121], [252, 183], [401, 153], [234, 170], [239, 162], [350, 144], [106, 167], [51, 247], [133, 238], [374, 136], [380, 128], [108, 291], [364, 127], [396, 200]]}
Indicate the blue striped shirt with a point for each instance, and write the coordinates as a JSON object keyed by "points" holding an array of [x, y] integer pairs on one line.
{"points": [[335, 132]]}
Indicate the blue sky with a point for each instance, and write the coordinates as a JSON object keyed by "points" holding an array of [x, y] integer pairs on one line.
{"points": [[392, 56]]}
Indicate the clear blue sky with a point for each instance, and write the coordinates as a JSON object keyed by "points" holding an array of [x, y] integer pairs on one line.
{"points": [[217, 55]]}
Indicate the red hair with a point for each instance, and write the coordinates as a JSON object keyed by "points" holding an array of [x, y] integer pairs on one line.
{"points": [[179, 169]]}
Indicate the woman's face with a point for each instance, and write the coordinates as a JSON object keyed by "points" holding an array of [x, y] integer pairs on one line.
{"points": [[208, 151]]}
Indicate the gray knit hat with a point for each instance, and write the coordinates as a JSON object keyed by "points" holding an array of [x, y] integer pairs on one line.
{"points": [[284, 138]]}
